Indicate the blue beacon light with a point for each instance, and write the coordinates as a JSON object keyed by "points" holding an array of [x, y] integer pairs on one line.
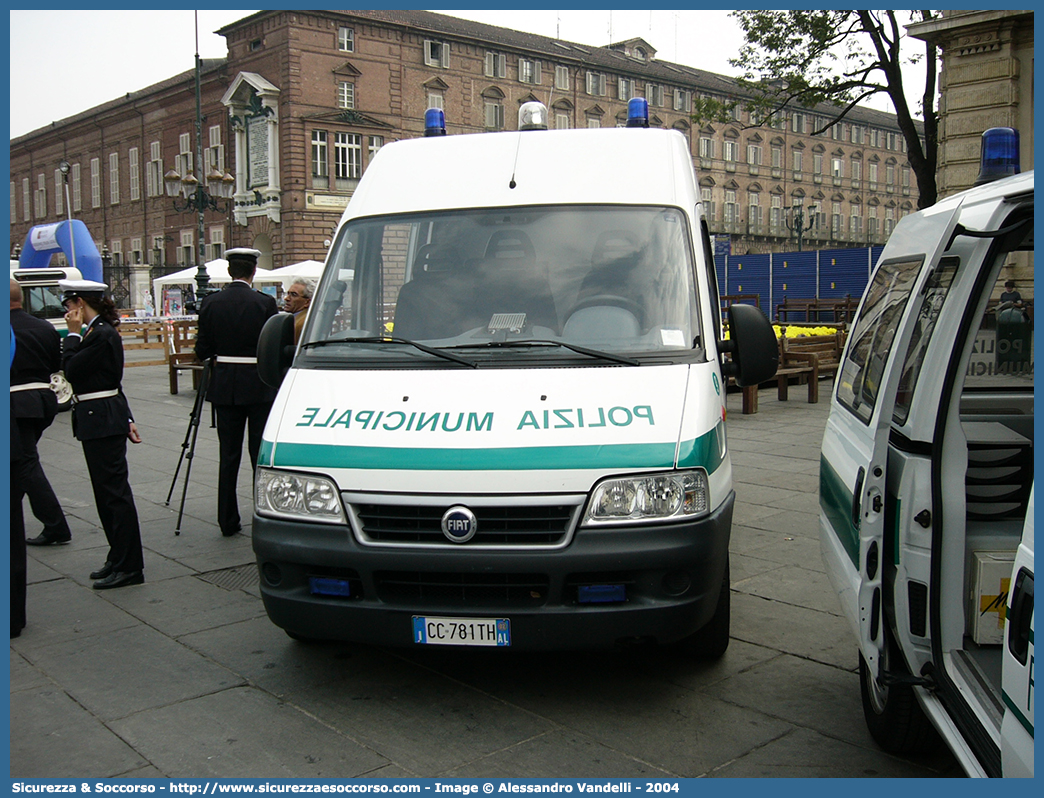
{"points": [[637, 112], [1000, 154], [434, 122]]}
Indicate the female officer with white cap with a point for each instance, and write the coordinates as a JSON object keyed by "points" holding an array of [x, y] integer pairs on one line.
{"points": [[92, 359]]}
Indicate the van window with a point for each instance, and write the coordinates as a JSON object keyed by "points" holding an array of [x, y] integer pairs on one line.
{"points": [[935, 292], [43, 301], [872, 335], [1002, 355], [618, 279]]}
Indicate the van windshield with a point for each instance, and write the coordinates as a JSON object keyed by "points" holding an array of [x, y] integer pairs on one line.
{"points": [[609, 278]]}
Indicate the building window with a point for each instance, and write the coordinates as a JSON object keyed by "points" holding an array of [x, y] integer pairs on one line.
{"points": [[154, 171], [185, 256], [777, 157], [889, 177], [436, 54], [320, 163], [654, 94], [40, 197], [345, 94], [625, 89], [375, 143], [562, 78], [216, 247], [855, 223], [116, 251], [594, 122], [754, 210], [133, 174], [889, 223], [347, 158], [872, 176], [346, 39], [731, 207], [561, 120], [837, 221], [135, 253], [798, 158], [857, 171], [114, 178], [682, 100], [837, 167], [494, 115], [776, 211], [706, 147], [731, 151], [596, 84], [528, 71], [214, 155], [436, 100], [59, 193], [707, 200], [817, 164], [858, 135], [496, 65], [95, 182], [77, 190], [754, 154], [183, 163]]}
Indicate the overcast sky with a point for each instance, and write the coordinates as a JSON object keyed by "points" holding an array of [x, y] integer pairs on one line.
{"points": [[65, 62]]}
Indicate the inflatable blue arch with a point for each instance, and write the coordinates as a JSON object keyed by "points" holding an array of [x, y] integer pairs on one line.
{"points": [[70, 237]]}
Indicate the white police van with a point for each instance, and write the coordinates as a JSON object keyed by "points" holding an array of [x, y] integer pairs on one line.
{"points": [[508, 428], [926, 477]]}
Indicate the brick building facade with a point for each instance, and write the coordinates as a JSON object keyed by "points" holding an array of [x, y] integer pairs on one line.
{"points": [[305, 98]]}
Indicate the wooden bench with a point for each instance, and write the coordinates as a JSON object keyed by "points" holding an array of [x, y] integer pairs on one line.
{"points": [[838, 311], [182, 355], [143, 335], [809, 357]]}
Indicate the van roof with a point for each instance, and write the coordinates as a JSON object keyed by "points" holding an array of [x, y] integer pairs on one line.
{"points": [[634, 166]]}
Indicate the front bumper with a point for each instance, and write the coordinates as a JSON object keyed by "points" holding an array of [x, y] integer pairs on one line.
{"points": [[671, 575]]}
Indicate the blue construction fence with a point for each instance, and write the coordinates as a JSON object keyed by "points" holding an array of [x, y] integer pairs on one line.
{"points": [[826, 274]]}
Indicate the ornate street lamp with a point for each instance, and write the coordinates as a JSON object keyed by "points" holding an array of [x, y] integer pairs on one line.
{"points": [[64, 168], [193, 195], [797, 224]]}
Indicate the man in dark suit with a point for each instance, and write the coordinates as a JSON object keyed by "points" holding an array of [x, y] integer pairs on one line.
{"points": [[33, 408], [230, 323]]}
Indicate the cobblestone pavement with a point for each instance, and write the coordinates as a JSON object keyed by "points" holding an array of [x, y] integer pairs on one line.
{"points": [[186, 677]]}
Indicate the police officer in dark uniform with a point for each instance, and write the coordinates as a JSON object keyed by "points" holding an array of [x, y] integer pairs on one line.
{"points": [[33, 408], [92, 359], [230, 323]]}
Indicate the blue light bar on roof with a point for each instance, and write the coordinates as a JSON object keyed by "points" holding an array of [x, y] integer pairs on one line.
{"points": [[637, 112], [434, 122], [1000, 154]]}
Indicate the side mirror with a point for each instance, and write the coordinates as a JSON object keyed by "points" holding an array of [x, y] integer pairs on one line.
{"points": [[275, 349], [752, 344]]}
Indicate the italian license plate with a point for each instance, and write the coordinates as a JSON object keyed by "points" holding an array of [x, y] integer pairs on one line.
{"points": [[461, 631]]}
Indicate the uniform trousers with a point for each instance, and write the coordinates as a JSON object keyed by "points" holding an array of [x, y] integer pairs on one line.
{"points": [[107, 465], [232, 421], [45, 505]]}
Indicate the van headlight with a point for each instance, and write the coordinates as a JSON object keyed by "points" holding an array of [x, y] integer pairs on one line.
{"points": [[649, 497], [291, 495]]}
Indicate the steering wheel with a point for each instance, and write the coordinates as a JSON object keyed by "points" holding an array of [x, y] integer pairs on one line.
{"points": [[612, 300]]}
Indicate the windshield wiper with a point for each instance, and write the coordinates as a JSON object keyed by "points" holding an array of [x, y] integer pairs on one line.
{"points": [[582, 350], [388, 339]]}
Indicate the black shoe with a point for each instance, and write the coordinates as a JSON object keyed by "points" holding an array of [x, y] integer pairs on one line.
{"points": [[230, 532], [44, 540], [102, 572], [120, 579]]}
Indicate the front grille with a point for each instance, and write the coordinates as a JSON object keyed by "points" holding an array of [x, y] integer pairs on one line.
{"points": [[420, 589], [518, 525]]}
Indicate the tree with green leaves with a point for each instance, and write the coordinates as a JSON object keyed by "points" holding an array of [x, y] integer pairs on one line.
{"points": [[804, 59]]}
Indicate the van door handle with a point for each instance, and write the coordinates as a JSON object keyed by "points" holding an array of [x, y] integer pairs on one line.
{"points": [[1021, 615], [857, 497]]}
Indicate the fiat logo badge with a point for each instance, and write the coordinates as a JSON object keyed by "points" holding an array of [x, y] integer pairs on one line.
{"points": [[459, 524]]}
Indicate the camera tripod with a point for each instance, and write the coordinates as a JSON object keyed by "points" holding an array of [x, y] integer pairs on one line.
{"points": [[188, 446]]}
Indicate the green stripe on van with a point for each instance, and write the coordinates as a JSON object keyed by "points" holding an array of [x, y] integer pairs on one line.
{"points": [[702, 451], [835, 500]]}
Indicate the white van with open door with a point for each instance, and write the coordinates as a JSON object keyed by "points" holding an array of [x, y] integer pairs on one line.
{"points": [[926, 476]]}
